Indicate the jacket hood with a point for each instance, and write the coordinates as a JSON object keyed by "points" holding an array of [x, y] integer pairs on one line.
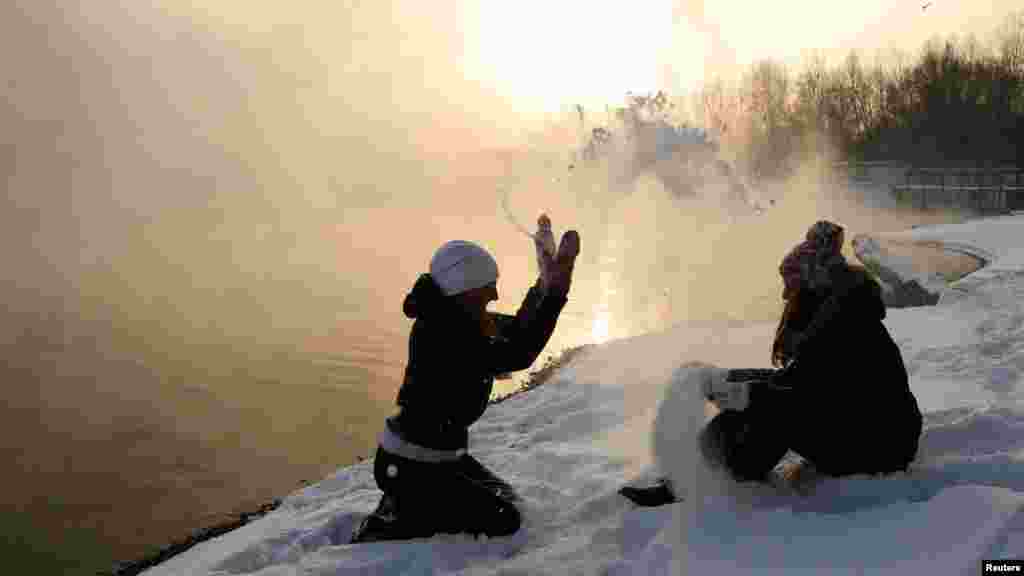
{"points": [[869, 295], [425, 299]]}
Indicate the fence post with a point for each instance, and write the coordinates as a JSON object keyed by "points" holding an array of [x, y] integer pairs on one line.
{"points": [[966, 191], [999, 189], [971, 198], [994, 199], [981, 188], [909, 179], [999, 192], [924, 197], [942, 184]]}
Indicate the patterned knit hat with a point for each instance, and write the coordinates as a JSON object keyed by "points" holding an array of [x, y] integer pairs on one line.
{"points": [[810, 261]]}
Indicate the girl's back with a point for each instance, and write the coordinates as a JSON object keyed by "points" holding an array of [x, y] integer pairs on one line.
{"points": [[852, 375]]}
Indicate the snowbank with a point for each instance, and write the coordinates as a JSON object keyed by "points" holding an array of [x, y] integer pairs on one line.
{"points": [[994, 240], [902, 285], [567, 446]]}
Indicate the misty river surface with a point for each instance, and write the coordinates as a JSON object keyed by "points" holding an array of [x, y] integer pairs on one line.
{"points": [[210, 226]]}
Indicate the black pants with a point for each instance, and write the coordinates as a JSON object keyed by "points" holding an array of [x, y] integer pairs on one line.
{"points": [[838, 442], [456, 497]]}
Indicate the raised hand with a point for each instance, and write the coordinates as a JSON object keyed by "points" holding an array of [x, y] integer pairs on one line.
{"points": [[560, 267]]}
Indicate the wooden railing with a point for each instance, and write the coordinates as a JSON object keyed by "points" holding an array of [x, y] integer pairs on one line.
{"points": [[990, 189]]}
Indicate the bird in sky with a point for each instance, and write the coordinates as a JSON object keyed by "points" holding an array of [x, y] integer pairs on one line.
{"points": [[925, 7]]}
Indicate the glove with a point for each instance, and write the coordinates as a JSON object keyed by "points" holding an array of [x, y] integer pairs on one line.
{"points": [[561, 266], [727, 395], [555, 268]]}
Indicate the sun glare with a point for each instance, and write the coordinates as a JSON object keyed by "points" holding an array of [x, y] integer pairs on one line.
{"points": [[553, 54], [599, 331]]}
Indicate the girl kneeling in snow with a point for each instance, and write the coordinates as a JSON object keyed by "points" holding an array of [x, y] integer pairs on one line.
{"points": [[841, 399], [456, 348]]}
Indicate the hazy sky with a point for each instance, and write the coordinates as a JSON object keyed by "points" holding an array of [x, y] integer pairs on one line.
{"points": [[483, 56], [545, 51], [255, 127]]}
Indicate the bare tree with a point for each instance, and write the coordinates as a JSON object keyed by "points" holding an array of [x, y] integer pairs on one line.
{"points": [[1010, 41], [768, 119]]}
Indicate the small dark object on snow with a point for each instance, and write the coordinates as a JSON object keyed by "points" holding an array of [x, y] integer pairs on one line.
{"points": [[657, 494]]}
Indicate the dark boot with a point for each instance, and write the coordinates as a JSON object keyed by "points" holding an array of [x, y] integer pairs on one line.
{"points": [[657, 494], [385, 523]]}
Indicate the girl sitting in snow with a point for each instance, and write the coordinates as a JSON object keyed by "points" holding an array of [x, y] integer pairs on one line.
{"points": [[456, 348], [840, 397]]}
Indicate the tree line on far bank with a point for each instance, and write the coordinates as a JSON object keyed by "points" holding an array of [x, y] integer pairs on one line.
{"points": [[959, 102]]}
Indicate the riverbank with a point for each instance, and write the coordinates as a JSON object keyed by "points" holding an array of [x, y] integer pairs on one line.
{"points": [[228, 522]]}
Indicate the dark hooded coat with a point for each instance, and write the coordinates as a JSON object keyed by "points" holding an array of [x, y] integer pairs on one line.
{"points": [[854, 411], [451, 367]]}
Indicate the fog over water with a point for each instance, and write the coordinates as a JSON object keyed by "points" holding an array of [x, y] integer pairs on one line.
{"points": [[211, 215]]}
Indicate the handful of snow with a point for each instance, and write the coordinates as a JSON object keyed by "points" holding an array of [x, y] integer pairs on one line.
{"points": [[680, 418]]}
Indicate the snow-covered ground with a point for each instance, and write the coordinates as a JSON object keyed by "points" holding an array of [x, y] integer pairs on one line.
{"points": [[569, 445]]}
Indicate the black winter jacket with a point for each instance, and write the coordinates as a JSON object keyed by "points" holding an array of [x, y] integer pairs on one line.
{"points": [[855, 407], [452, 365]]}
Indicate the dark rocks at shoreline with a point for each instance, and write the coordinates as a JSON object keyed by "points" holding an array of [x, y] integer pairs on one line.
{"points": [[896, 291], [235, 521], [908, 295], [541, 375], [900, 293]]}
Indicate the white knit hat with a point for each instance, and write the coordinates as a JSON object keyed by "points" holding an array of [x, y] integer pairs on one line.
{"points": [[459, 266]]}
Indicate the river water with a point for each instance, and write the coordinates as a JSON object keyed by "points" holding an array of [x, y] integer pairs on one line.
{"points": [[206, 254]]}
